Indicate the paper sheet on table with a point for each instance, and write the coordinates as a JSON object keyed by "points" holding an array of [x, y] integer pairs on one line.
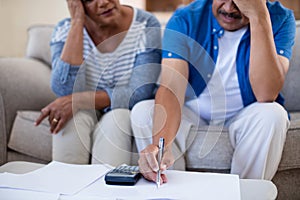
{"points": [[14, 194], [56, 177], [181, 185]]}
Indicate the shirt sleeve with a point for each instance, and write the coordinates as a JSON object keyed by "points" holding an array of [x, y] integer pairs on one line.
{"points": [[285, 36], [63, 74], [175, 38]]}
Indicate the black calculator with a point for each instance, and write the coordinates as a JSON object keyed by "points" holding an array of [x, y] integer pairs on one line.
{"points": [[123, 175]]}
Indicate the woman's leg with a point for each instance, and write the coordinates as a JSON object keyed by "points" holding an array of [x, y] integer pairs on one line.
{"points": [[73, 143], [112, 139]]}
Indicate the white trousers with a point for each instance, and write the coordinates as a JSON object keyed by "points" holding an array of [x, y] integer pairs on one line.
{"points": [[84, 140], [257, 134]]}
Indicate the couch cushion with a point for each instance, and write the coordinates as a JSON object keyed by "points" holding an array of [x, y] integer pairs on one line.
{"points": [[30, 140], [219, 157], [215, 153], [291, 152], [291, 89], [20, 167], [38, 45]]}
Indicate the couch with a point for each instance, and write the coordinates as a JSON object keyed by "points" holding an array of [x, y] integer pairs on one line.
{"points": [[25, 89]]}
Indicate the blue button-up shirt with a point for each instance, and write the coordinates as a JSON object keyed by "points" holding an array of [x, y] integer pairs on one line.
{"points": [[192, 34]]}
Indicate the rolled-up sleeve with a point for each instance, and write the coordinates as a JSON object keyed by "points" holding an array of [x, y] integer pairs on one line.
{"points": [[63, 74]]}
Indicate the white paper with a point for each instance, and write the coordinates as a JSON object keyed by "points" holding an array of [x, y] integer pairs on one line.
{"points": [[56, 177], [181, 185], [76, 182], [14, 194]]}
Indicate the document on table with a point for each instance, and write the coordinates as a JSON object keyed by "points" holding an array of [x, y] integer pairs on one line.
{"points": [[15, 194], [76, 182], [181, 185], [56, 178]]}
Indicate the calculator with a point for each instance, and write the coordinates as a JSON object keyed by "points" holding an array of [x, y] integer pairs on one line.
{"points": [[123, 175]]}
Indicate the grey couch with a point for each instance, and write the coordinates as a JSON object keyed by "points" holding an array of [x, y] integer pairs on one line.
{"points": [[25, 89]]}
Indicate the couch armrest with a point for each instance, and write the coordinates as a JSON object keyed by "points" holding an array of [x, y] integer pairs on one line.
{"points": [[24, 85], [3, 140]]}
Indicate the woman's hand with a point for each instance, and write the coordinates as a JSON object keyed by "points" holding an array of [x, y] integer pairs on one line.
{"points": [[148, 162], [59, 112], [76, 10]]}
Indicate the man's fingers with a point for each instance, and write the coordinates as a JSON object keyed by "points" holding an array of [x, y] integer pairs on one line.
{"points": [[150, 176], [149, 166], [164, 178], [166, 163], [151, 160], [145, 169], [168, 158], [143, 164]]}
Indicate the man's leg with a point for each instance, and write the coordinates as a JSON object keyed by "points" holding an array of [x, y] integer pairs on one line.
{"points": [[141, 120], [258, 135], [73, 143], [113, 139]]}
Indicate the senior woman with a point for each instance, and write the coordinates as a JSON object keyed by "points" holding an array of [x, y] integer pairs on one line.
{"points": [[105, 58]]}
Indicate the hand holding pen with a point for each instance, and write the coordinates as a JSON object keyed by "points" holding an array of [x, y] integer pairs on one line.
{"points": [[148, 163]]}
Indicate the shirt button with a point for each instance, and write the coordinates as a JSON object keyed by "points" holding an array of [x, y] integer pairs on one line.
{"points": [[170, 54], [281, 51], [215, 47], [221, 32], [214, 30], [208, 75]]}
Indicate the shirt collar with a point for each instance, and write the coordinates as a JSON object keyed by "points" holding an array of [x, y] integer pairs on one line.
{"points": [[219, 31], [216, 28]]}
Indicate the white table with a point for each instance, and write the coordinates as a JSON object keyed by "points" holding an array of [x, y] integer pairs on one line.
{"points": [[250, 189]]}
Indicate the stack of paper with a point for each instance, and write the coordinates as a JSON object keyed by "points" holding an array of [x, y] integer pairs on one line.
{"points": [[55, 178], [181, 185], [66, 182]]}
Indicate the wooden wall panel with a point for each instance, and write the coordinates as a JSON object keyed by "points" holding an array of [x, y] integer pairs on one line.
{"points": [[171, 5], [293, 5]]}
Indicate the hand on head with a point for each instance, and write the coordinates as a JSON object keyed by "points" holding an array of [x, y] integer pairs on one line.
{"points": [[76, 9], [251, 8]]}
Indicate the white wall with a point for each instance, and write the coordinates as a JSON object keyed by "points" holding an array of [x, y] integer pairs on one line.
{"points": [[17, 15], [136, 3]]}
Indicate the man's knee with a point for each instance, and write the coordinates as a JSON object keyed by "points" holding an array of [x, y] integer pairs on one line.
{"points": [[142, 113], [271, 113]]}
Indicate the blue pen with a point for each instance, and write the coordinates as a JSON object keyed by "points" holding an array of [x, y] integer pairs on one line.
{"points": [[161, 145]]}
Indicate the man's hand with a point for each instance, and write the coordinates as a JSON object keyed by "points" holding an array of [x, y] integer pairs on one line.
{"points": [[148, 162], [59, 112], [253, 8]]}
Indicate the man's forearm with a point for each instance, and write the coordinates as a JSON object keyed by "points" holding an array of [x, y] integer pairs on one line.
{"points": [[169, 100], [167, 116], [267, 72]]}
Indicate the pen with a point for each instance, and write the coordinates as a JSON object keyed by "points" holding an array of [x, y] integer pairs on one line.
{"points": [[161, 145]]}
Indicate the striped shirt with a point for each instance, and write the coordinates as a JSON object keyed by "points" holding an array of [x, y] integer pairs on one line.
{"points": [[104, 71]]}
